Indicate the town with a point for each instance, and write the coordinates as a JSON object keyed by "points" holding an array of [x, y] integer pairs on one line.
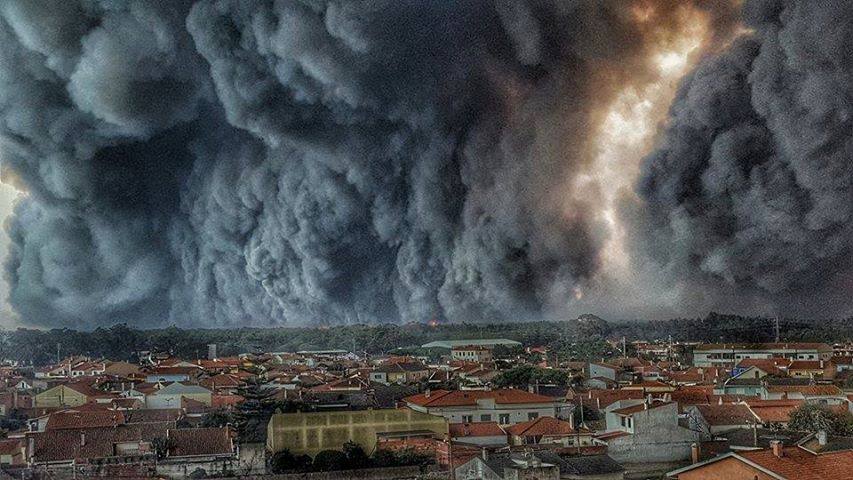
{"points": [[466, 408]]}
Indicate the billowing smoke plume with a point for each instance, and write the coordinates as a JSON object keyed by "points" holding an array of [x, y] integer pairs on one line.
{"points": [[750, 195], [233, 163]]}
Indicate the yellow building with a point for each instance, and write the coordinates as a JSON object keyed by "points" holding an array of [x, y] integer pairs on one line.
{"points": [[65, 395], [310, 433]]}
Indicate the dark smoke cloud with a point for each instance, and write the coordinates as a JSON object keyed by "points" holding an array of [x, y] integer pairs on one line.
{"points": [[250, 163], [750, 194]]}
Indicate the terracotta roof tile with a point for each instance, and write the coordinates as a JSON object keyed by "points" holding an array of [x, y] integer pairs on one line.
{"points": [[798, 464], [479, 429], [543, 426], [444, 398], [726, 414], [200, 441]]}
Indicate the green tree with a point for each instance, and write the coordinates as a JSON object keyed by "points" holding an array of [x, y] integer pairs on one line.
{"points": [[330, 460], [813, 417], [286, 462], [356, 458]]}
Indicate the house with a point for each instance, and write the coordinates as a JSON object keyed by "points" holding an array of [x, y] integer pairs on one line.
{"points": [[179, 373], [720, 418], [800, 392], [472, 353], [170, 395], [696, 376], [761, 367], [650, 387], [539, 465], [603, 370], [549, 431], [818, 369], [409, 372], [723, 354], [505, 406], [12, 452], [748, 386], [190, 450], [222, 384], [479, 433], [778, 462], [121, 370], [71, 394], [649, 432]]}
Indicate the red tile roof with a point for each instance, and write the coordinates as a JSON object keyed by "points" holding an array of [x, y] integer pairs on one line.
{"points": [[627, 411], [444, 398], [70, 419], [805, 389], [798, 464], [543, 426], [91, 443], [479, 429], [200, 441], [726, 414], [808, 365]]}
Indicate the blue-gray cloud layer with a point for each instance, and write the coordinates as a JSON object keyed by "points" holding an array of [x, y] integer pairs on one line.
{"points": [[752, 187], [232, 163]]}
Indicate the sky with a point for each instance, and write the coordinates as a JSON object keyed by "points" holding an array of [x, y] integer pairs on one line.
{"points": [[223, 163]]}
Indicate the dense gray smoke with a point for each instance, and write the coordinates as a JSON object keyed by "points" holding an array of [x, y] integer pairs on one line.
{"points": [[225, 163], [751, 191]]}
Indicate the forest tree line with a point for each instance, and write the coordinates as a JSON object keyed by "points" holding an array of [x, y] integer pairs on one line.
{"points": [[581, 338]]}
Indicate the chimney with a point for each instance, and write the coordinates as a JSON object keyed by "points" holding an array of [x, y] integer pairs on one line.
{"points": [[776, 446], [427, 393], [694, 453], [485, 454], [31, 447], [82, 439], [821, 364], [821, 438], [530, 388]]}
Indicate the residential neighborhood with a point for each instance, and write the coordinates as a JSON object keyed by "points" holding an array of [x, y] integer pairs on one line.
{"points": [[467, 409]]}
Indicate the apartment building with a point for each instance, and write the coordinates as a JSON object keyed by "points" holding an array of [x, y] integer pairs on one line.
{"points": [[506, 406], [727, 354]]}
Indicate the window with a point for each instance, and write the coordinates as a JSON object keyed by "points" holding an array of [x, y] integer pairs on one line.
{"points": [[485, 418], [532, 416], [467, 418], [624, 423], [503, 418]]}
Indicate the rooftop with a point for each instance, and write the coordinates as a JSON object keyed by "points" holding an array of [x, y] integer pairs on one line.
{"points": [[452, 398], [473, 342]]}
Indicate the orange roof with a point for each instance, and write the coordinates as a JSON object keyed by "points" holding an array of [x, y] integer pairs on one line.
{"points": [[608, 397], [798, 464], [808, 365], [769, 365], [479, 429], [453, 398], [726, 414], [543, 426], [627, 411], [83, 419], [805, 389]]}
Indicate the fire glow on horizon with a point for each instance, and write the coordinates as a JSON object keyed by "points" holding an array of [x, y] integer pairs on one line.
{"points": [[628, 130]]}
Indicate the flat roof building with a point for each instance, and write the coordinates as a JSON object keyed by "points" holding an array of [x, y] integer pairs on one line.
{"points": [[471, 343]]}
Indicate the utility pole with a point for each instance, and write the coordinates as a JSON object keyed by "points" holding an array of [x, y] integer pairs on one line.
{"points": [[776, 328], [624, 351], [57, 354], [669, 349]]}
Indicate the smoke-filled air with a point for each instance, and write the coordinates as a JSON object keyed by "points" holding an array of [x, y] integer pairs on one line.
{"points": [[255, 163]]}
